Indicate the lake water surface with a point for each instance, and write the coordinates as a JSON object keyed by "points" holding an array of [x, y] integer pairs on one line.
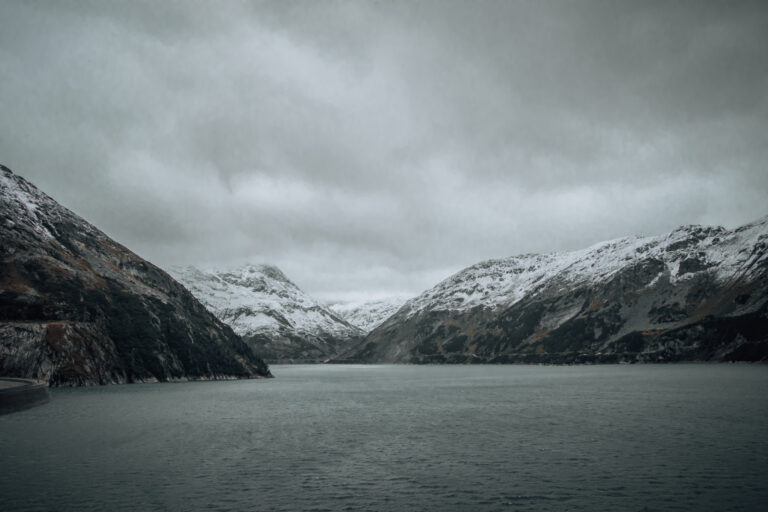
{"points": [[438, 438]]}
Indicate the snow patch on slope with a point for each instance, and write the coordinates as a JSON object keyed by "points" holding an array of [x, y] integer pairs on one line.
{"points": [[20, 193]]}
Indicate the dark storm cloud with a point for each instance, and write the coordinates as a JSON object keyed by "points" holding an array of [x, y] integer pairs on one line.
{"points": [[374, 147]]}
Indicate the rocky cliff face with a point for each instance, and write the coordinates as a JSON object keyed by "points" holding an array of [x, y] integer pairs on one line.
{"points": [[271, 313], [696, 294], [77, 308]]}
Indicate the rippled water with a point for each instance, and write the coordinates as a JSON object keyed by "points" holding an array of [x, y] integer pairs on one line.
{"points": [[671, 437]]}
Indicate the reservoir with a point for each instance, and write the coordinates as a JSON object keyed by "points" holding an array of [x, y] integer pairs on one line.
{"points": [[422, 438]]}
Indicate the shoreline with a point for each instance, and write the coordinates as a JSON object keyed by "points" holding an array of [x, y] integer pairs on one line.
{"points": [[20, 394]]}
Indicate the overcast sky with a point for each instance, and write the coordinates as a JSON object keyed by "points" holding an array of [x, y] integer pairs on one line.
{"points": [[374, 148]]}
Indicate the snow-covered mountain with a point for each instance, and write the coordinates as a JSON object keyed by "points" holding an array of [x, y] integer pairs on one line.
{"points": [[77, 308], [695, 293], [369, 314], [273, 314]]}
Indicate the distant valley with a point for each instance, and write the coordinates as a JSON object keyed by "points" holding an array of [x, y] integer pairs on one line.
{"points": [[695, 294], [279, 320], [369, 314]]}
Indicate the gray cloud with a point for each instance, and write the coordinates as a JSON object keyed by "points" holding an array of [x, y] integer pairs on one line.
{"points": [[374, 147]]}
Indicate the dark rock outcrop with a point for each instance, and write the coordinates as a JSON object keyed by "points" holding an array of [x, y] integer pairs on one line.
{"points": [[697, 294], [77, 308]]}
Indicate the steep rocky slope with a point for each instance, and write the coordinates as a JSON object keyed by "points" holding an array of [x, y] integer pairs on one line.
{"points": [[369, 314], [77, 308], [698, 293], [272, 314]]}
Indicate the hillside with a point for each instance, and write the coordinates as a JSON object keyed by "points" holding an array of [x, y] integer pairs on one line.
{"points": [[695, 294], [77, 308]]}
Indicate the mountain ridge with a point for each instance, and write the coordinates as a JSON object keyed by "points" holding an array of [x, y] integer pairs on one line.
{"points": [[649, 290]]}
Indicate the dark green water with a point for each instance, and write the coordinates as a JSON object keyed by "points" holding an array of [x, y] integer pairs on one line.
{"points": [[447, 438]]}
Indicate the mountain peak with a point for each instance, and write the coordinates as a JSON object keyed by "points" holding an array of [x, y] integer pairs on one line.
{"points": [[265, 307], [270, 271]]}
